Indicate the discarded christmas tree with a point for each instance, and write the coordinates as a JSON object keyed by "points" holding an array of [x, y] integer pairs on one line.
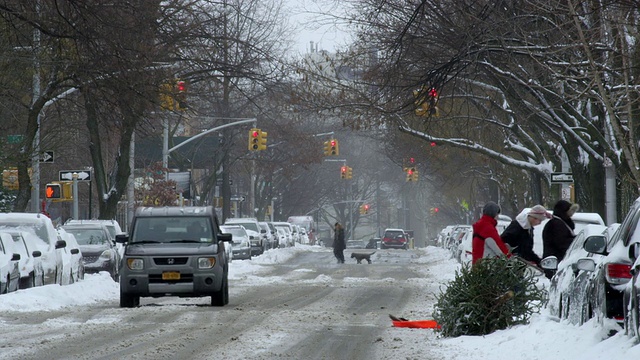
{"points": [[492, 295]]}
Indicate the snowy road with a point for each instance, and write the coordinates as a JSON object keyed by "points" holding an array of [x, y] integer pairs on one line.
{"points": [[304, 306]]}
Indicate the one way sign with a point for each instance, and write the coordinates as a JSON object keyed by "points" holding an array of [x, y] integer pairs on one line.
{"points": [[67, 175], [46, 157]]}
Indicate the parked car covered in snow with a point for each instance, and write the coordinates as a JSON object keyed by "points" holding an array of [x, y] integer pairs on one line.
{"points": [[569, 290], [56, 260], [9, 265], [30, 264]]}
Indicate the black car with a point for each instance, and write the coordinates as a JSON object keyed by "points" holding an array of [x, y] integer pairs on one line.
{"points": [[99, 251], [174, 251]]}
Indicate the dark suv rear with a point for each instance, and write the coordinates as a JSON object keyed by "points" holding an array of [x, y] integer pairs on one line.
{"points": [[175, 251], [394, 238]]}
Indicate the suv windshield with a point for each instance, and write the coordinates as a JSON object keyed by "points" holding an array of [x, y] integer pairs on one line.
{"points": [[172, 229]]}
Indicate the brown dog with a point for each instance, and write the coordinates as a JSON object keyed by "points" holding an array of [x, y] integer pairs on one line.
{"points": [[362, 256]]}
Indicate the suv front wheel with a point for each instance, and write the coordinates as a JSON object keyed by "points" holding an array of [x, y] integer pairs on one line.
{"points": [[129, 301], [221, 298]]}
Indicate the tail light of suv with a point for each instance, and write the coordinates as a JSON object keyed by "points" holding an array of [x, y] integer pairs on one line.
{"points": [[618, 273]]}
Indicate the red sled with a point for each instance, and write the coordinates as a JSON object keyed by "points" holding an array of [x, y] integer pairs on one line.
{"points": [[415, 324]]}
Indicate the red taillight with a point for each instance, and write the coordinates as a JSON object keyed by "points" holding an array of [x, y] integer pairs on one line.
{"points": [[618, 273]]}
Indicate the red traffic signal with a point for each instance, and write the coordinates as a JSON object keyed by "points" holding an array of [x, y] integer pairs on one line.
{"points": [[181, 86], [436, 210], [433, 93], [53, 191]]}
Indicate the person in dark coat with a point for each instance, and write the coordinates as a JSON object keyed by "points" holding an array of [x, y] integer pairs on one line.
{"points": [[558, 234], [338, 243], [486, 241], [519, 233]]}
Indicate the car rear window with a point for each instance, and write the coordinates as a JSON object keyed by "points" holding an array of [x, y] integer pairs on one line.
{"points": [[393, 234]]}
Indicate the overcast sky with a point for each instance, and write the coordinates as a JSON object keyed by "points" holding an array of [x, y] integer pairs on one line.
{"points": [[313, 26]]}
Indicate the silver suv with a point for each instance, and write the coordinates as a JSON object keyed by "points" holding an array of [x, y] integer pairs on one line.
{"points": [[175, 251]]}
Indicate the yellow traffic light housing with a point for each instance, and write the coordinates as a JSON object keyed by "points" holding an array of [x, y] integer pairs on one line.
{"points": [[254, 139], [349, 172], [343, 172], [414, 176], [53, 191], [426, 104], [364, 209], [333, 147], [180, 95], [411, 174], [262, 143], [326, 150]]}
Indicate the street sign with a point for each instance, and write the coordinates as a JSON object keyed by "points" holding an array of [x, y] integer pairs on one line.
{"points": [[67, 175], [561, 178], [238, 198], [219, 182], [46, 157]]}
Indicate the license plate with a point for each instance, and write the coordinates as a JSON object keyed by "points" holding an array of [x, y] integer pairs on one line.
{"points": [[171, 275]]}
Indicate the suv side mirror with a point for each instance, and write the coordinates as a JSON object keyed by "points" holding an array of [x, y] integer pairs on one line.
{"points": [[122, 238], [61, 244], [225, 237]]}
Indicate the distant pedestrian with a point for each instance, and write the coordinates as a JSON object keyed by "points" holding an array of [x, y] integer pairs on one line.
{"points": [[486, 240], [519, 234], [338, 243], [558, 233]]}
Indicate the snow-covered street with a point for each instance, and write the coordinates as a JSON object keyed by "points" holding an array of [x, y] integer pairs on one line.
{"points": [[325, 302]]}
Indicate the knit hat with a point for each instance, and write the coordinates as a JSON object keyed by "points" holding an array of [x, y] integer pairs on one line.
{"points": [[539, 212], [492, 209]]}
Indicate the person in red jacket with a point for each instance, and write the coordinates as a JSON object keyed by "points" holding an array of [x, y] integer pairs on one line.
{"points": [[486, 240]]}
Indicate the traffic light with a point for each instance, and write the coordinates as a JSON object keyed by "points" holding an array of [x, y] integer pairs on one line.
{"points": [[166, 97], [426, 105], [262, 143], [53, 191], [414, 176], [343, 172], [181, 95], [349, 172], [333, 150], [327, 148], [254, 139], [364, 209], [411, 174]]}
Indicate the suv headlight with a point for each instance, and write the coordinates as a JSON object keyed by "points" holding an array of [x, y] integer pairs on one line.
{"points": [[206, 262], [106, 255], [135, 264]]}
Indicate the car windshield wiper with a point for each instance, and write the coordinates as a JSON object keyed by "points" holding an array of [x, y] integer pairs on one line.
{"points": [[185, 241], [145, 242]]}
